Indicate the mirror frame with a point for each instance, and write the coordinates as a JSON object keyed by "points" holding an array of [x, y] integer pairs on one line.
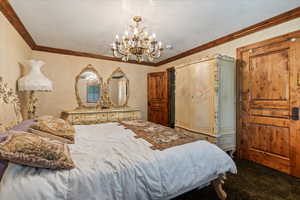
{"points": [[88, 68], [119, 70]]}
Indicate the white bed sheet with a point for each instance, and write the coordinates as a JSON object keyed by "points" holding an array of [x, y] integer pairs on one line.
{"points": [[113, 165]]}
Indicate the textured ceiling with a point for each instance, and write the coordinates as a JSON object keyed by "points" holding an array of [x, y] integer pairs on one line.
{"points": [[91, 25]]}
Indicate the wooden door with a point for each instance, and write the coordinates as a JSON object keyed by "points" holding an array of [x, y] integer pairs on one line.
{"points": [[158, 98], [269, 96]]}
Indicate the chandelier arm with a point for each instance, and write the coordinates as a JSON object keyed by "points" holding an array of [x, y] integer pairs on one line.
{"points": [[120, 54], [120, 51], [154, 49], [115, 54], [156, 54]]}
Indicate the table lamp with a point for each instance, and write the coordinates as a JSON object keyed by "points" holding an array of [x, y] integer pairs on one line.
{"points": [[34, 81]]}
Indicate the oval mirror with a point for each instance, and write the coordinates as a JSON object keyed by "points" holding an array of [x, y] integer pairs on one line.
{"points": [[118, 86], [88, 88]]}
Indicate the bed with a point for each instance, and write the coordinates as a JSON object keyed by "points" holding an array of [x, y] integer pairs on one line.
{"points": [[112, 164]]}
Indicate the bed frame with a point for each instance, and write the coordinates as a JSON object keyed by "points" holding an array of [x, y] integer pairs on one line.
{"points": [[8, 96], [218, 186]]}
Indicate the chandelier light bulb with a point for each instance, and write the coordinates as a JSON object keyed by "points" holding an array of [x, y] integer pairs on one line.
{"points": [[153, 36], [117, 37], [159, 44]]}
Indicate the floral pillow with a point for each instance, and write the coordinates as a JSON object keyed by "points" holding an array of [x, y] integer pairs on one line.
{"points": [[35, 151], [48, 126], [50, 136]]}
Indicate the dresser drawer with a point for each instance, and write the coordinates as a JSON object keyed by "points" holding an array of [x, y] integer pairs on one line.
{"points": [[76, 118], [90, 117], [113, 116], [102, 117], [126, 115]]}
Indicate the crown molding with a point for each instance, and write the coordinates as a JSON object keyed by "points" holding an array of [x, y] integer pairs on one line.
{"points": [[88, 55], [279, 19], [12, 17]]}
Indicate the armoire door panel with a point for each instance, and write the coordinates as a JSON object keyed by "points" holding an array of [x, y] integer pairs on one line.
{"points": [[269, 90], [194, 97]]}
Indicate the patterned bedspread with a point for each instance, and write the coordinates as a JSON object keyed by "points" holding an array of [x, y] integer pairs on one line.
{"points": [[159, 136]]}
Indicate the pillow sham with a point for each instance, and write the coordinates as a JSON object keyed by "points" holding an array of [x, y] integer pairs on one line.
{"points": [[3, 135], [35, 151], [50, 136], [3, 163], [48, 126]]}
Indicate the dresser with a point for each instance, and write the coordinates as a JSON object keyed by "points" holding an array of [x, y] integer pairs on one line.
{"points": [[205, 100], [83, 116]]}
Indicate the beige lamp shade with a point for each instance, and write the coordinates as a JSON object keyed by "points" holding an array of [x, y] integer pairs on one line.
{"points": [[35, 80]]}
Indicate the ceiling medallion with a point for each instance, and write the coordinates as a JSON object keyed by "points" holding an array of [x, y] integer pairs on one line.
{"points": [[137, 44]]}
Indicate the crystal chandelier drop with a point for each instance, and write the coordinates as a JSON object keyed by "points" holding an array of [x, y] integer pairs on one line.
{"points": [[137, 43]]}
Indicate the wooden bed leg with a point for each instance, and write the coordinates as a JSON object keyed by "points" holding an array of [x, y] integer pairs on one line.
{"points": [[218, 185], [231, 153]]}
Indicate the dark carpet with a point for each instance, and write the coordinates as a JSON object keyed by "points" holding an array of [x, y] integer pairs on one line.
{"points": [[253, 182]]}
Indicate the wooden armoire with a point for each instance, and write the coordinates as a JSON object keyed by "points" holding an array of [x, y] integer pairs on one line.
{"points": [[269, 91], [205, 100]]}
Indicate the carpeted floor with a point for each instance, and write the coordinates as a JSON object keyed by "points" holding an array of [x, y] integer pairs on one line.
{"points": [[253, 182]]}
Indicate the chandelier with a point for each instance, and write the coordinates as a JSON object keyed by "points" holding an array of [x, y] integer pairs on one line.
{"points": [[137, 43]]}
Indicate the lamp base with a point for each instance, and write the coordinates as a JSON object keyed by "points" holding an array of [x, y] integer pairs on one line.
{"points": [[32, 105]]}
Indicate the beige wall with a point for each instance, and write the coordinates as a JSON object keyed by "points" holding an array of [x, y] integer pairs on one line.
{"points": [[13, 50], [62, 70], [229, 48]]}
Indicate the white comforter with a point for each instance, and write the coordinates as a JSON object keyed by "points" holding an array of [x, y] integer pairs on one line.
{"points": [[112, 165]]}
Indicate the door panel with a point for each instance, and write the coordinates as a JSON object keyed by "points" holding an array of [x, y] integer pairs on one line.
{"points": [[268, 90], [272, 140], [270, 76], [158, 98]]}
